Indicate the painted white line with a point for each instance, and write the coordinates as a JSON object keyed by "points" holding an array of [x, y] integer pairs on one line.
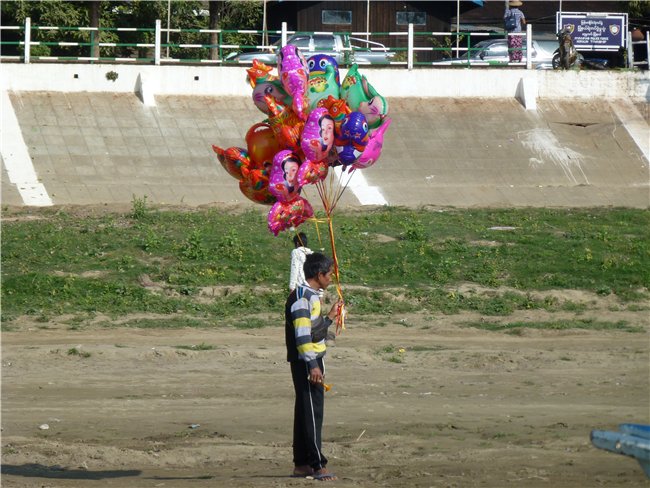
{"points": [[358, 185], [16, 157], [634, 123]]}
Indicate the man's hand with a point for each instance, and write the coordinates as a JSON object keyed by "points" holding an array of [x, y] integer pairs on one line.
{"points": [[315, 376], [335, 310]]}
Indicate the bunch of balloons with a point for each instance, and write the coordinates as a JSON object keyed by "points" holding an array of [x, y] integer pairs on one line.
{"points": [[314, 122]]}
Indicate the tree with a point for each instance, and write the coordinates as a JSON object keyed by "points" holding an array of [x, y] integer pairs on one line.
{"points": [[93, 15]]}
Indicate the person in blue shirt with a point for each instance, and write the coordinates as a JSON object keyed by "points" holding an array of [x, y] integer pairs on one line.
{"points": [[514, 21]]}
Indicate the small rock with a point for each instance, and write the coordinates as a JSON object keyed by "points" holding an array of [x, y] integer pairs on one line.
{"points": [[44, 427]]}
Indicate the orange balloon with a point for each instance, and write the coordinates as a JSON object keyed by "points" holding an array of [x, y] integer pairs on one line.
{"points": [[262, 144], [262, 196]]}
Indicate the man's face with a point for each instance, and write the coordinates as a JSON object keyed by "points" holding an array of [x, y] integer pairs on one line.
{"points": [[324, 279]]}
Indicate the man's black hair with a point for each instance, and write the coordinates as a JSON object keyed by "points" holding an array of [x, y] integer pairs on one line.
{"points": [[317, 263], [300, 239]]}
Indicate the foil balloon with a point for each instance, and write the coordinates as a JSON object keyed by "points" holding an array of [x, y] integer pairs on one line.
{"points": [[318, 63], [259, 72], [294, 74], [318, 135], [360, 95], [257, 178], [284, 215], [352, 138], [233, 160], [311, 172], [262, 196], [264, 83], [371, 153], [262, 144], [322, 85], [283, 182], [285, 124], [337, 108], [376, 108]]}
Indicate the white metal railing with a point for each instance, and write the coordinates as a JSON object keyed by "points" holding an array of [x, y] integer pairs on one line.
{"points": [[157, 45]]}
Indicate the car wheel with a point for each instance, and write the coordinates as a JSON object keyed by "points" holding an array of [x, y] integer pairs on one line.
{"points": [[556, 61]]}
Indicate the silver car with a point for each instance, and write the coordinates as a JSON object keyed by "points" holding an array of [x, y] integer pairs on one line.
{"points": [[339, 46], [494, 52]]}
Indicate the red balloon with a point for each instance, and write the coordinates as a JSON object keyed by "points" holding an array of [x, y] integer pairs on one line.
{"points": [[262, 144], [233, 160]]}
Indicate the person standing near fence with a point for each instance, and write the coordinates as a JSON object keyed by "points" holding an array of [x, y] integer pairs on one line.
{"points": [[514, 20]]}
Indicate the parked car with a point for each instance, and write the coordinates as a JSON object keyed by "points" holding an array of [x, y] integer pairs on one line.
{"points": [[495, 52], [344, 49]]}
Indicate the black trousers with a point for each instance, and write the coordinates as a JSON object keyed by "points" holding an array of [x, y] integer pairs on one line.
{"points": [[307, 417]]}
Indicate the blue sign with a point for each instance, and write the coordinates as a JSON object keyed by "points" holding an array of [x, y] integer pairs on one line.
{"points": [[594, 31]]}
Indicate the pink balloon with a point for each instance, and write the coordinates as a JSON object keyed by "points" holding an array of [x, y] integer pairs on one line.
{"points": [[311, 172], [294, 74], [283, 181], [284, 215], [373, 149], [318, 135]]}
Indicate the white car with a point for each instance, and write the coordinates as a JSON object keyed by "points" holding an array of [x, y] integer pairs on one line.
{"points": [[494, 52]]}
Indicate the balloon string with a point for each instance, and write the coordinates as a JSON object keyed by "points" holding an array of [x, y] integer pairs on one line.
{"points": [[329, 208]]}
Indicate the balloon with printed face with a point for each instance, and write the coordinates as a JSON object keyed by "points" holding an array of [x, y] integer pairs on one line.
{"points": [[352, 138], [318, 135], [318, 63], [262, 144], [284, 215], [320, 86], [232, 159], [311, 172], [373, 149], [285, 124], [356, 90], [283, 182], [294, 74]]}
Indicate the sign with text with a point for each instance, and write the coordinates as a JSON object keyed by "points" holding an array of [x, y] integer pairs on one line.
{"points": [[594, 31]]}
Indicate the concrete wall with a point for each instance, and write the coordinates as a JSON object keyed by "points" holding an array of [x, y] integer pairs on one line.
{"points": [[230, 81]]}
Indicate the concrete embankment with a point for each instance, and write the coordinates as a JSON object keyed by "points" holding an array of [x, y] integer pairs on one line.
{"points": [[503, 137]]}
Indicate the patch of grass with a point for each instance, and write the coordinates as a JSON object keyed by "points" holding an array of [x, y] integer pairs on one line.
{"points": [[90, 263], [76, 352], [589, 324], [165, 323], [197, 347]]}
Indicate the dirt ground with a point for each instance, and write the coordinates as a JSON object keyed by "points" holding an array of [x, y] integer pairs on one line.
{"points": [[458, 407]]}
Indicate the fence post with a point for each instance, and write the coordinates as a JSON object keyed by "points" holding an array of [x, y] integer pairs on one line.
{"points": [[409, 63], [28, 39], [647, 49], [284, 34], [156, 49], [529, 46]]}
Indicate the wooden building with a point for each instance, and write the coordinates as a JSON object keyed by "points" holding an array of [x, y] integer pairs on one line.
{"points": [[382, 17]]}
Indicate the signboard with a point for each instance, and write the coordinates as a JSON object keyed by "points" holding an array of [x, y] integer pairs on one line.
{"points": [[594, 31]]}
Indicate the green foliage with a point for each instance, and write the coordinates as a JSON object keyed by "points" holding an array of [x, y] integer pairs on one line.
{"points": [[590, 324], [189, 16]]}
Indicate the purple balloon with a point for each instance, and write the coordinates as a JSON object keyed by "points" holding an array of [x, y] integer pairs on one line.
{"points": [[318, 135], [283, 181], [352, 137], [292, 68]]}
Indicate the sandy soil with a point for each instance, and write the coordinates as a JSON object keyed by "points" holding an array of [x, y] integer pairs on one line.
{"points": [[463, 408]]}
